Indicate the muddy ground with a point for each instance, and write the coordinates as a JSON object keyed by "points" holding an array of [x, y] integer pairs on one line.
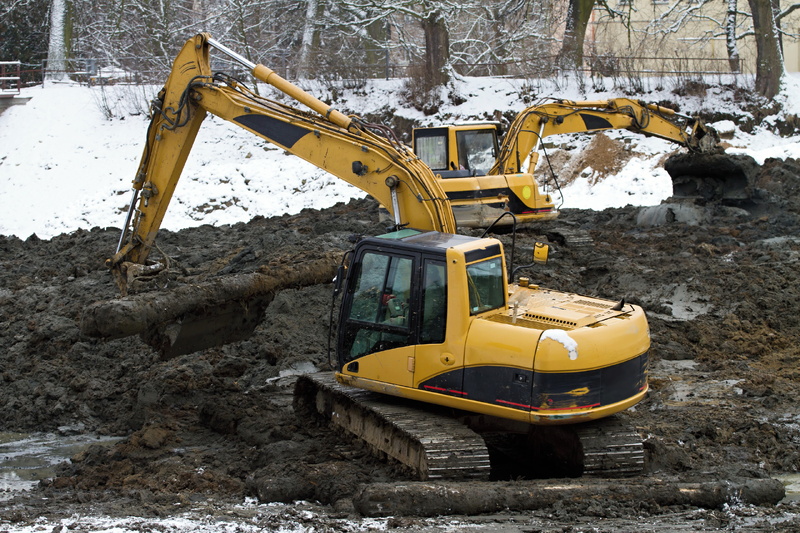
{"points": [[208, 429]]}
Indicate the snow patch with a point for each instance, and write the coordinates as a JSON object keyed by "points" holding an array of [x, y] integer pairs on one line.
{"points": [[563, 338]]}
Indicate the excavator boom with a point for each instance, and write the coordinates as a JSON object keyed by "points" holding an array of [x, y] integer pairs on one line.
{"points": [[345, 146], [531, 126]]}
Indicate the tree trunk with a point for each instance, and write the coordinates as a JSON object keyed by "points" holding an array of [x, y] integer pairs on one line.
{"points": [[769, 60], [730, 37], [578, 14], [437, 49], [499, 26], [56, 51], [377, 57], [311, 37]]}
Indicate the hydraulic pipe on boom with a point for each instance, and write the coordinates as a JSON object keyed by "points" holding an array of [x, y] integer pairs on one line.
{"points": [[267, 75]]}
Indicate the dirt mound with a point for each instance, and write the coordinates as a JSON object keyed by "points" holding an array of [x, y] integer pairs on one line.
{"points": [[723, 306], [601, 157]]}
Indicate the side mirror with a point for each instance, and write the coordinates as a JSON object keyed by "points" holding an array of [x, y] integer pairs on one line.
{"points": [[540, 252], [338, 280]]}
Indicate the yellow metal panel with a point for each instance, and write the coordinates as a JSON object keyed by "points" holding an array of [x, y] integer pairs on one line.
{"points": [[497, 344], [613, 341], [391, 366]]}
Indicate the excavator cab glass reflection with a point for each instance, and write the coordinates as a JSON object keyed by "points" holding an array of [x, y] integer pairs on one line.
{"points": [[485, 280], [387, 307], [457, 152], [378, 317]]}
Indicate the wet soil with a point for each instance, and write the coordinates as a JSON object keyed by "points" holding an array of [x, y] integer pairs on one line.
{"points": [[207, 429]]}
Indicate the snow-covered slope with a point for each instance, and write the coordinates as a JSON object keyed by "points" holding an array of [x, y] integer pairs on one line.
{"points": [[65, 165]]}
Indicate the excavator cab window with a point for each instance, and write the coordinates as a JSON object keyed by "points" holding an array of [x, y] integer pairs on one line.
{"points": [[485, 281], [378, 317], [434, 303], [430, 145], [477, 150]]}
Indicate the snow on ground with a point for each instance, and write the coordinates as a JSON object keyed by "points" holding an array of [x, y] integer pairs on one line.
{"points": [[67, 166]]}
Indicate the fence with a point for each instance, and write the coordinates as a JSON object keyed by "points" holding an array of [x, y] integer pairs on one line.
{"points": [[10, 80], [97, 71]]}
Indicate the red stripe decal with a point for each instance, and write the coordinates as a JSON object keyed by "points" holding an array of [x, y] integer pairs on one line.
{"points": [[515, 404], [440, 389]]}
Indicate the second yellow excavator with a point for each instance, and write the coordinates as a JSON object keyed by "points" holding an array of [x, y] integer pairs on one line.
{"points": [[427, 315], [484, 179]]}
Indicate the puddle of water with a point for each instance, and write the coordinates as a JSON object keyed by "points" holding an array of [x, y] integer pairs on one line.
{"points": [[667, 367], [686, 304], [295, 369], [791, 483], [683, 303], [703, 392], [27, 458]]}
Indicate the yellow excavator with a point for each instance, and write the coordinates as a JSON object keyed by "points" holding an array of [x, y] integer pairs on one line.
{"points": [[484, 179], [427, 316]]}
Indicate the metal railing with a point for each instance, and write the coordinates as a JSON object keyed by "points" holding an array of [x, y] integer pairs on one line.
{"points": [[10, 78], [94, 71]]}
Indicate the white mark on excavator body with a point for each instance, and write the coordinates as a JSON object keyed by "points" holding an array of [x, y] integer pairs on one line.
{"points": [[563, 338]]}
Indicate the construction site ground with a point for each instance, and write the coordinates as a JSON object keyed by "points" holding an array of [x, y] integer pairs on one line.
{"points": [[212, 434]]}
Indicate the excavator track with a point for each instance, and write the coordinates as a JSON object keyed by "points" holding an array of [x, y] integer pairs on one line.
{"points": [[433, 446], [611, 448]]}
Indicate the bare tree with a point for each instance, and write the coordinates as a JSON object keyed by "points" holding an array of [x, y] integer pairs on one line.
{"points": [[578, 14], [434, 20], [24, 29], [311, 35], [769, 62], [730, 37], [763, 22], [56, 51]]}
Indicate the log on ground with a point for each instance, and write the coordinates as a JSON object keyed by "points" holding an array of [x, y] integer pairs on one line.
{"points": [[195, 316], [449, 498]]}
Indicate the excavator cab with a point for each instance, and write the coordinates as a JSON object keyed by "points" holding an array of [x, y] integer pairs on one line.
{"points": [[458, 151], [396, 298], [462, 157]]}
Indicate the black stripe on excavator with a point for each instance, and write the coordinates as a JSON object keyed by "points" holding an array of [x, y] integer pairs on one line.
{"points": [[594, 122], [514, 204], [482, 253], [592, 388], [480, 193], [538, 391], [275, 130]]}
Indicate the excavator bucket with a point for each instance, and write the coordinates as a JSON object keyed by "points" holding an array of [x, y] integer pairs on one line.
{"points": [[716, 177]]}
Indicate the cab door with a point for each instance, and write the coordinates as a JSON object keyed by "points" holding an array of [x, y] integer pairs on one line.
{"points": [[375, 337]]}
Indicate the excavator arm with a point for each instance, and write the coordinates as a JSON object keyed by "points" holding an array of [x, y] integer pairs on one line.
{"points": [[531, 126], [364, 155]]}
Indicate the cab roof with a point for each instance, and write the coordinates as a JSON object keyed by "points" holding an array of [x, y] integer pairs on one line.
{"points": [[434, 241]]}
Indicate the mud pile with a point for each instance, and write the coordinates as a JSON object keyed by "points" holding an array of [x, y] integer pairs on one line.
{"points": [[722, 295]]}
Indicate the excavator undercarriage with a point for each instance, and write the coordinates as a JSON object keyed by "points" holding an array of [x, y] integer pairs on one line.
{"points": [[434, 443]]}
